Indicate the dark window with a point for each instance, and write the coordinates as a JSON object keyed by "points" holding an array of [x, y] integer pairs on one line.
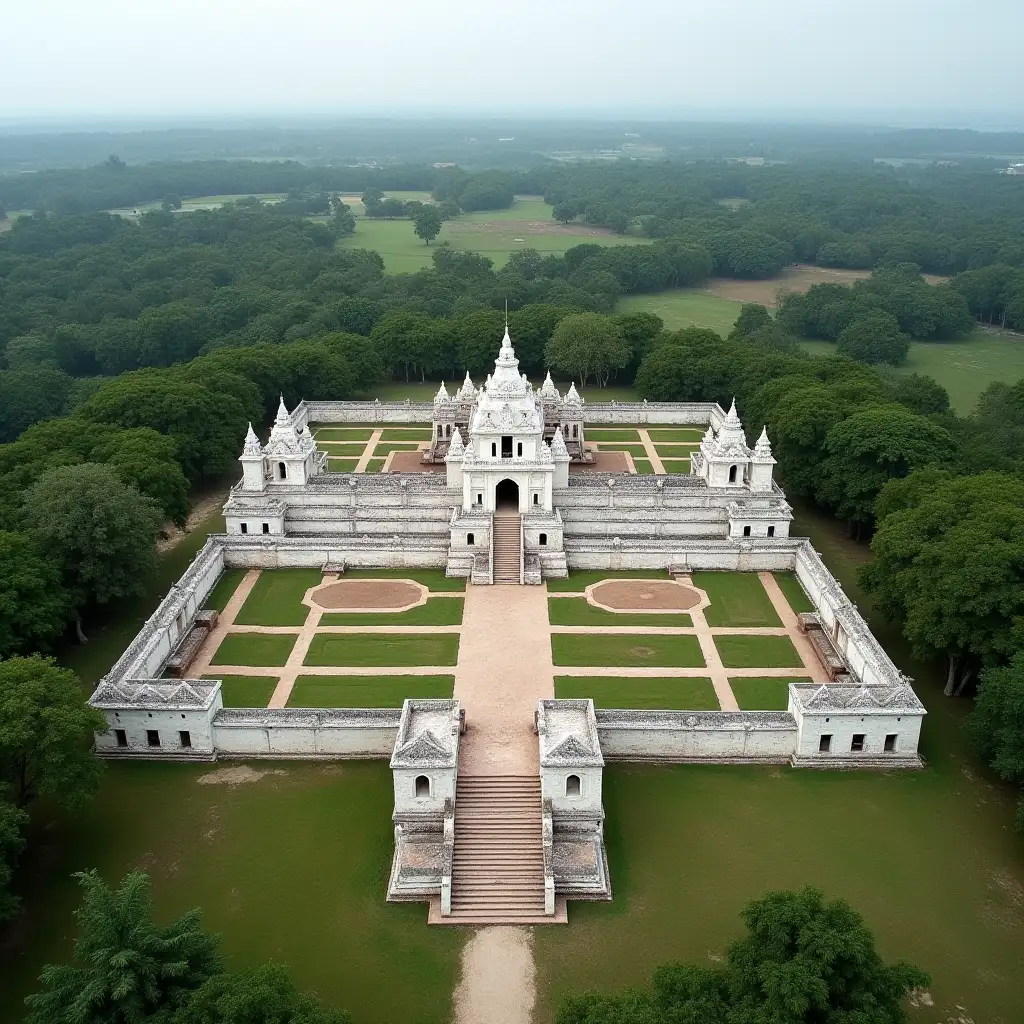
{"points": [[506, 447], [519, 449], [890, 743], [575, 431], [536, 499], [572, 785], [153, 737], [825, 743], [122, 737], [470, 539], [771, 531], [245, 527], [266, 527], [448, 430], [186, 738], [440, 430], [857, 743], [422, 785], [480, 497], [494, 449], [732, 474], [746, 531], [282, 470], [543, 540]]}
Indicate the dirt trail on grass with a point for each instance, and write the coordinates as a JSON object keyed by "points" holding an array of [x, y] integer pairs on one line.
{"points": [[207, 506], [498, 982]]}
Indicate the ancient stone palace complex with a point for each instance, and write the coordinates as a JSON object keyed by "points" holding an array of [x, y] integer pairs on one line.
{"points": [[498, 811]]}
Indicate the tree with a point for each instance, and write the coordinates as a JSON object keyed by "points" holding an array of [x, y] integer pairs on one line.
{"points": [[266, 995], [427, 223], [921, 394], [875, 338], [588, 344], [343, 218], [13, 821], [98, 531], [44, 731], [753, 316], [171, 202], [127, 970], [28, 395], [33, 606], [871, 447], [948, 561], [996, 725]]}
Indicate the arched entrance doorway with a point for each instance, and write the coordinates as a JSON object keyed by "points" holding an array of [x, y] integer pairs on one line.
{"points": [[506, 496]]}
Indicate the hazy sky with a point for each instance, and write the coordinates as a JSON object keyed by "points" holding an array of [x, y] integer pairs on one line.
{"points": [[352, 57]]}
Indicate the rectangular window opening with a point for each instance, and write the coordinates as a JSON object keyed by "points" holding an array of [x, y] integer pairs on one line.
{"points": [[746, 531], [825, 743], [122, 737], [266, 527], [506, 446], [890, 743], [857, 743], [153, 737], [245, 527], [186, 738]]}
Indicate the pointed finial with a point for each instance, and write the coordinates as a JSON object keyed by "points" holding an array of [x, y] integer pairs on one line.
{"points": [[282, 411], [252, 443], [442, 394], [506, 315]]}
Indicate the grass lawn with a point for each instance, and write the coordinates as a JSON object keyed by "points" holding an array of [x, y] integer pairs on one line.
{"points": [[342, 465], [406, 434], [794, 592], [291, 867], [661, 693], [432, 579], [674, 451], [617, 650], [676, 434], [685, 307], [223, 589], [339, 449], [608, 434], [374, 465], [638, 451], [438, 611], [757, 652], [387, 447], [382, 649], [575, 611], [964, 368], [260, 649], [579, 579], [366, 691], [763, 693], [276, 600], [246, 691], [343, 433], [676, 466], [737, 599], [643, 467]]}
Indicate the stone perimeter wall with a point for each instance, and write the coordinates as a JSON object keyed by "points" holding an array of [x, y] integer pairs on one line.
{"points": [[306, 733]]}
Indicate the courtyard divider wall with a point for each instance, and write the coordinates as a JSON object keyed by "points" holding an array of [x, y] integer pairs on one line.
{"points": [[306, 733], [715, 736]]}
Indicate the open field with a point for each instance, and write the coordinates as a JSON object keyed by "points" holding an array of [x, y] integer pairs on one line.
{"points": [[493, 233], [685, 307], [964, 368]]}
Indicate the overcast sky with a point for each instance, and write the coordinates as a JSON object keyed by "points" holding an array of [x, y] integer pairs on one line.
{"points": [[948, 60]]}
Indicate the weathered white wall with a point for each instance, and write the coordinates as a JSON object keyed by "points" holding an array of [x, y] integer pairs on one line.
{"points": [[696, 735], [370, 552], [842, 728], [442, 787], [553, 782], [363, 412], [136, 722], [306, 733]]}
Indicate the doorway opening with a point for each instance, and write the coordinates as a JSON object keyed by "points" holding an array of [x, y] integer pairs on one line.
{"points": [[506, 496]]}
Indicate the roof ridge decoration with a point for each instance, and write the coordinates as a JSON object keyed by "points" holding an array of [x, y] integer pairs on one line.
{"points": [[456, 446], [252, 443], [283, 417], [570, 746], [467, 392], [442, 394], [548, 389], [424, 746], [763, 448], [558, 449], [572, 396]]}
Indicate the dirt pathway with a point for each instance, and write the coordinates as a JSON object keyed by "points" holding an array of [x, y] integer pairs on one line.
{"points": [[715, 669], [368, 451], [498, 984], [652, 453], [804, 647]]}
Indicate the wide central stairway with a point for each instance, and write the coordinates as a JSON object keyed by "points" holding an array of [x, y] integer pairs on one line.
{"points": [[508, 556], [498, 867]]}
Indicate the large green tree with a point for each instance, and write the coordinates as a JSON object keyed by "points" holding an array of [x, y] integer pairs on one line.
{"points": [[33, 605], [266, 995], [96, 529], [427, 223], [949, 564], [874, 338], [45, 729], [12, 840], [126, 969], [586, 345]]}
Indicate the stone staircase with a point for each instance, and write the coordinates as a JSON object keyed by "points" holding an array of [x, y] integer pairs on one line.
{"points": [[498, 866], [506, 540]]}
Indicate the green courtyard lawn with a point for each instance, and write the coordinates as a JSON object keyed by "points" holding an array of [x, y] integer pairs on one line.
{"points": [[374, 465], [579, 579], [631, 650], [407, 434], [258, 649], [340, 449], [433, 579], [366, 691], [291, 866], [752, 651], [737, 599], [676, 434], [245, 691], [342, 465], [964, 367], [676, 466], [576, 611], [276, 600], [793, 591], [438, 611], [643, 467], [763, 693], [685, 307], [674, 451], [387, 447], [601, 434], [398, 650], [218, 598], [661, 693], [342, 433], [638, 451]]}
